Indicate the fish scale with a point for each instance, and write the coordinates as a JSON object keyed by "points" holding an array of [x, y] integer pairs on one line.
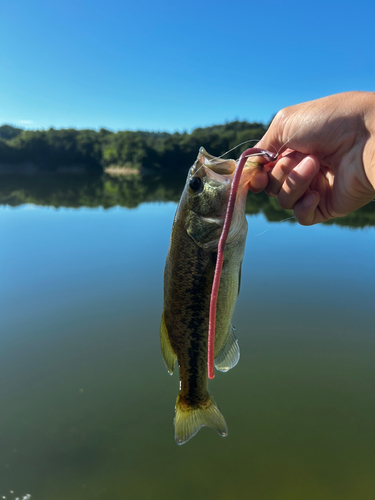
{"points": [[188, 278]]}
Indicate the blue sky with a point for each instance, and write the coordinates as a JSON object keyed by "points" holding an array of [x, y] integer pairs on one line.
{"points": [[171, 65]]}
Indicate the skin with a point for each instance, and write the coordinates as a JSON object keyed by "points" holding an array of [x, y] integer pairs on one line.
{"points": [[328, 169]]}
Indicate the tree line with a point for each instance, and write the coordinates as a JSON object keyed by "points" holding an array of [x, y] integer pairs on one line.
{"points": [[140, 150], [105, 191]]}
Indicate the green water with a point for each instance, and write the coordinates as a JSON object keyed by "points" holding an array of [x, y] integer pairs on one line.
{"points": [[86, 402]]}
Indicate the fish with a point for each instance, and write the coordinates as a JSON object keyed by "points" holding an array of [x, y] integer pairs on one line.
{"points": [[188, 278]]}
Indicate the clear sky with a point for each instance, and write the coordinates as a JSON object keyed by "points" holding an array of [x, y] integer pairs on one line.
{"points": [[176, 65]]}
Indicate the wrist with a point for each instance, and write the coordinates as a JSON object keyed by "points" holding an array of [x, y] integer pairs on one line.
{"points": [[369, 148]]}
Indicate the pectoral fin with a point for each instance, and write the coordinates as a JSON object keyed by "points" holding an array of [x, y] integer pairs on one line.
{"points": [[168, 353], [230, 353], [202, 230]]}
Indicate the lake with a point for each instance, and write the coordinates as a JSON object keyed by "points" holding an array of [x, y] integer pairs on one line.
{"points": [[86, 402]]}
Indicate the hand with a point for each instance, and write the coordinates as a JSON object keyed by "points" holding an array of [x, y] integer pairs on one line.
{"points": [[329, 169]]}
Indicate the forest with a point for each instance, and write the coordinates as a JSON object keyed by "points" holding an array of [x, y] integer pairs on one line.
{"points": [[145, 152], [162, 160]]}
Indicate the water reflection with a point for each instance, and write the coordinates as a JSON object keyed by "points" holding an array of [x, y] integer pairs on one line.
{"points": [[74, 191], [86, 402]]}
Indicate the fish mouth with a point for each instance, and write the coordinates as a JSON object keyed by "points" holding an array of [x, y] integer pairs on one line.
{"points": [[225, 167], [221, 171], [218, 165]]}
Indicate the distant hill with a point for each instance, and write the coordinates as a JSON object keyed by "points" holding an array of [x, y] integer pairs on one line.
{"points": [[90, 151], [8, 132]]}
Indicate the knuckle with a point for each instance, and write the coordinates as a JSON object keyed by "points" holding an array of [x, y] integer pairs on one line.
{"points": [[269, 192], [280, 117], [303, 221], [291, 183], [273, 188], [284, 202], [285, 166], [279, 125]]}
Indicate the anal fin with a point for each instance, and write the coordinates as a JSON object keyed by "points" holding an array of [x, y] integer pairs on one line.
{"points": [[230, 353], [168, 353]]}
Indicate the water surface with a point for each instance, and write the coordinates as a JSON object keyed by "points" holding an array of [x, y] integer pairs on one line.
{"points": [[87, 404]]}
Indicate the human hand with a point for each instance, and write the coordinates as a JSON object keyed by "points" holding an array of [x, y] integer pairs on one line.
{"points": [[328, 169]]}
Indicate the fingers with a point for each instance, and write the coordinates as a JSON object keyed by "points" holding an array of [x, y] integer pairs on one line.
{"points": [[297, 181], [281, 171], [290, 181], [257, 178], [258, 182], [305, 210], [277, 172]]}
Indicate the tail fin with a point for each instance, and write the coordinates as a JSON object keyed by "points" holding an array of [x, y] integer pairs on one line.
{"points": [[189, 419]]}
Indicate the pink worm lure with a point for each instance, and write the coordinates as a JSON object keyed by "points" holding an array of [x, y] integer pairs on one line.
{"points": [[221, 248]]}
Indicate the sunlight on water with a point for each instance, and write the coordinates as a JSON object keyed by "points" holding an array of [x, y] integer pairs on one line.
{"points": [[13, 496], [87, 405]]}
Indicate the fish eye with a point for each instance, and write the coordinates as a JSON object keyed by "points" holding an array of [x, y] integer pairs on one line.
{"points": [[195, 183]]}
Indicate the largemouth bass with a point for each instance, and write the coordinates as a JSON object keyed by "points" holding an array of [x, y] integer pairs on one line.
{"points": [[188, 278]]}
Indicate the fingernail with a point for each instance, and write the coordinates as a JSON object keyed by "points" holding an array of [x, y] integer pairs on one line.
{"points": [[306, 168]]}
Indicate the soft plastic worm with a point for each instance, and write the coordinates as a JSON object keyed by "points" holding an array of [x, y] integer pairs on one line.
{"points": [[221, 248]]}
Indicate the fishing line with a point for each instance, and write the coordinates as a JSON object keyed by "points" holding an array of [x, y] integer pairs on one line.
{"points": [[284, 220], [279, 222], [210, 160], [235, 147], [271, 157]]}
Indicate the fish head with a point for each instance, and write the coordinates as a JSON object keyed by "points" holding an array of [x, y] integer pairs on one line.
{"points": [[205, 198], [208, 185]]}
